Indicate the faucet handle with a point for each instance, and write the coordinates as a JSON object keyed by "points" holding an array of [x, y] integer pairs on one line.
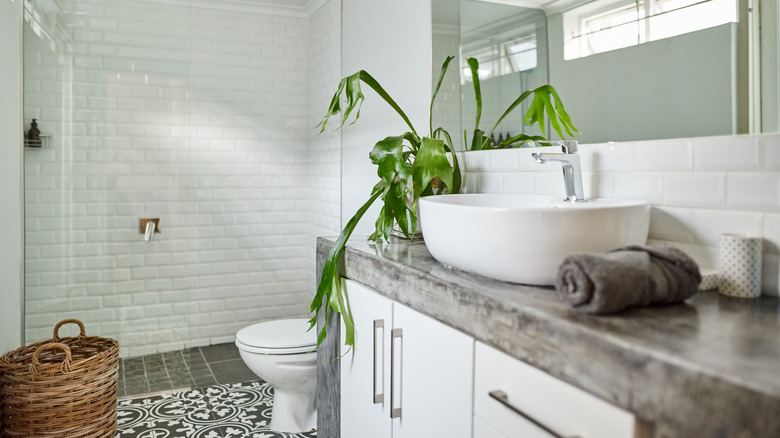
{"points": [[567, 146]]}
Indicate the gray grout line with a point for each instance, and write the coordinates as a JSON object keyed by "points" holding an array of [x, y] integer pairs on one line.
{"points": [[189, 370], [208, 365], [165, 367], [146, 376]]}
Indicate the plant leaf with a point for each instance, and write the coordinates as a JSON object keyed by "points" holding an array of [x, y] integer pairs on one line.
{"points": [[511, 108], [520, 140], [334, 108], [436, 91], [395, 209], [556, 113], [371, 82], [330, 282], [430, 162], [395, 172], [353, 94], [474, 65], [456, 176], [383, 226], [388, 155], [479, 141]]}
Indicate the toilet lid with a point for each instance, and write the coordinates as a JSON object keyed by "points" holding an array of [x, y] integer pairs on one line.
{"points": [[282, 334]]}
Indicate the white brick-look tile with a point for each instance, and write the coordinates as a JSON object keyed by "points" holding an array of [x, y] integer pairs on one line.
{"points": [[730, 153], [204, 119], [667, 156], [504, 160], [647, 186], [705, 190], [758, 191]]}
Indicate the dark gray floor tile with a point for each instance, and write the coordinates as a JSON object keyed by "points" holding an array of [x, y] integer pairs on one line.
{"points": [[157, 376], [134, 372], [231, 371], [199, 368], [220, 352], [172, 355], [134, 361], [142, 388], [195, 367], [205, 371], [201, 381], [195, 361], [161, 385], [177, 369], [153, 361], [135, 381], [182, 382]]}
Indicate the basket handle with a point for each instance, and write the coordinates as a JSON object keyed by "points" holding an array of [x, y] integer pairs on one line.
{"points": [[36, 361], [82, 332]]}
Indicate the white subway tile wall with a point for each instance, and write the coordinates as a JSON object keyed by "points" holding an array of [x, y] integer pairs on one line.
{"points": [[699, 188], [204, 119]]}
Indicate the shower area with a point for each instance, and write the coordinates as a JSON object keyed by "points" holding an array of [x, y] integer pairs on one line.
{"points": [[200, 114]]}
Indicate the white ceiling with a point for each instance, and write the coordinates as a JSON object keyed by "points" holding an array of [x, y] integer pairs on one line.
{"points": [[441, 6], [288, 3], [550, 6], [300, 8]]}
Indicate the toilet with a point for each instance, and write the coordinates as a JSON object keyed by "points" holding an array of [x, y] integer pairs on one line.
{"points": [[282, 353]]}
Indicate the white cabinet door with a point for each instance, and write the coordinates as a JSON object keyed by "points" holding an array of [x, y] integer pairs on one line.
{"points": [[431, 371], [365, 402], [436, 377]]}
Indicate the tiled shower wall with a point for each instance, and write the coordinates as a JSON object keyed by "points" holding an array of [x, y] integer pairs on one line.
{"points": [[201, 118], [699, 188]]}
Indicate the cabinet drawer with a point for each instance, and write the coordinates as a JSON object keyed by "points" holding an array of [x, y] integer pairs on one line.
{"points": [[549, 402]]}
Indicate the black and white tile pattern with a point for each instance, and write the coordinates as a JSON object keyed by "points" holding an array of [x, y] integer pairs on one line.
{"points": [[239, 410]]}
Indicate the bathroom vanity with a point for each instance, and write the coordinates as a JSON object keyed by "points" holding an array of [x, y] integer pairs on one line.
{"points": [[476, 351]]}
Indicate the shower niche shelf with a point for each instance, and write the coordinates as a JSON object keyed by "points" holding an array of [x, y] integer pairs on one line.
{"points": [[44, 143]]}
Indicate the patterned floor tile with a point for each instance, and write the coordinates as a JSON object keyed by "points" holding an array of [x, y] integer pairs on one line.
{"points": [[240, 410]]}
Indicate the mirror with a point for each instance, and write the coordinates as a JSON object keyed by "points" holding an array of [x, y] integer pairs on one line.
{"points": [[510, 43], [713, 81]]}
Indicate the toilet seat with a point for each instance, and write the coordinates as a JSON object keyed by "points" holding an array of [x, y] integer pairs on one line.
{"points": [[285, 336]]}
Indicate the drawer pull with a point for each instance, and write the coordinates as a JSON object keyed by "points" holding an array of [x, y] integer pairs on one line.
{"points": [[502, 398], [394, 334], [378, 323]]}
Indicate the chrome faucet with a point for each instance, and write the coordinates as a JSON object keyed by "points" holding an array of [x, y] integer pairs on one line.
{"points": [[570, 161]]}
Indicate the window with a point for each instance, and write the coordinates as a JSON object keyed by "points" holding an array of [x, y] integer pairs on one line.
{"points": [[605, 25], [503, 54]]}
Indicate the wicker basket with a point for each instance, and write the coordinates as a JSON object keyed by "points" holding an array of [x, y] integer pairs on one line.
{"points": [[65, 387]]}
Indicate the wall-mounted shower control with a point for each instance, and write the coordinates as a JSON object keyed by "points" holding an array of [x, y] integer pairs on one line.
{"points": [[149, 226]]}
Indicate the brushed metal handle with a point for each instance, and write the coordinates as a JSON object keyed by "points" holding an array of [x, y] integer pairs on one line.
{"points": [[378, 324], [503, 398], [394, 334]]}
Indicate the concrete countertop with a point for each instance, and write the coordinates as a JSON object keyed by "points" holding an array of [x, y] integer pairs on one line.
{"points": [[709, 367]]}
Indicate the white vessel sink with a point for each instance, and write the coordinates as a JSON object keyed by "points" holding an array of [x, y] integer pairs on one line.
{"points": [[524, 238]]}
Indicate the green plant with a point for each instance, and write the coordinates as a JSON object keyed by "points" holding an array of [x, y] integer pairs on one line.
{"points": [[541, 103], [410, 166]]}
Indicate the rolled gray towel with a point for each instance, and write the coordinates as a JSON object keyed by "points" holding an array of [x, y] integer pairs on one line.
{"points": [[627, 277]]}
